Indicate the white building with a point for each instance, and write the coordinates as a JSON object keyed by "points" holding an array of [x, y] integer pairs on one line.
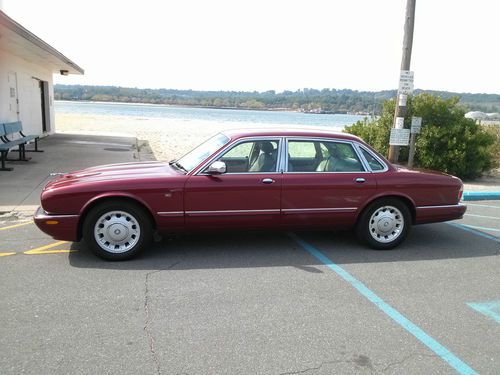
{"points": [[27, 65]]}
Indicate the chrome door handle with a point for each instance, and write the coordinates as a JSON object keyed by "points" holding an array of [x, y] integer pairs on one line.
{"points": [[360, 180], [267, 181]]}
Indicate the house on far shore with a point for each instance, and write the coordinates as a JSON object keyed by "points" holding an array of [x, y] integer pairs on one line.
{"points": [[27, 65]]}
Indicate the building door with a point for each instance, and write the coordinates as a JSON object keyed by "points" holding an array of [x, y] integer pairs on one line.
{"points": [[44, 96], [13, 98]]}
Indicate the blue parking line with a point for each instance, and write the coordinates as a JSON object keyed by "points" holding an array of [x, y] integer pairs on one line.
{"points": [[473, 229], [490, 309], [481, 228], [455, 362]]}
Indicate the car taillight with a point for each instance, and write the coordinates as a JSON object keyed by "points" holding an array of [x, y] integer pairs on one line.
{"points": [[460, 193]]}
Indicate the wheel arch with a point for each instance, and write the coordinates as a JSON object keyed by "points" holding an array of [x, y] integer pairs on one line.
{"points": [[123, 197], [403, 198]]}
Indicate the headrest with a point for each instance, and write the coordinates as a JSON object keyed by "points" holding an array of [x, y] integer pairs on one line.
{"points": [[267, 147]]}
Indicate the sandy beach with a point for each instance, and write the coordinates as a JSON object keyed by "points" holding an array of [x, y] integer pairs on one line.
{"points": [[167, 138]]}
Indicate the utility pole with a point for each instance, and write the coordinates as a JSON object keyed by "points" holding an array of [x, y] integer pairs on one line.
{"points": [[405, 65]]}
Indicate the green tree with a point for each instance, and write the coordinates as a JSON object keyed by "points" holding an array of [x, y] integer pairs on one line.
{"points": [[449, 142]]}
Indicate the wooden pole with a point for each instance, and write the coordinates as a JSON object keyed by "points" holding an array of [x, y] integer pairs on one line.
{"points": [[405, 65], [412, 149]]}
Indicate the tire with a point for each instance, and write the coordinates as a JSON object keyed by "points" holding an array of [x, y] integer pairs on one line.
{"points": [[384, 224], [117, 230]]}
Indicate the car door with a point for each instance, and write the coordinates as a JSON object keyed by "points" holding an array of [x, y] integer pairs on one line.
{"points": [[328, 192], [248, 195]]}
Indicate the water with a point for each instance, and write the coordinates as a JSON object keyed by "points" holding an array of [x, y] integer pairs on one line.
{"points": [[204, 114]]}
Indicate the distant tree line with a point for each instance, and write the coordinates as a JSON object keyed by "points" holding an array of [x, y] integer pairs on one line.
{"points": [[307, 100]]}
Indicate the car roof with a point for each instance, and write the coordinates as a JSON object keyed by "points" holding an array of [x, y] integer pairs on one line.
{"points": [[289, 132]]}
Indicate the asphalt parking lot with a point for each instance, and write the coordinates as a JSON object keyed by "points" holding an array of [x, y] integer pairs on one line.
{"points": [[242, 303], [256, 303]]}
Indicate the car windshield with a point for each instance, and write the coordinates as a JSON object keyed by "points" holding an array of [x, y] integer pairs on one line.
{"points": [[193, 158]]}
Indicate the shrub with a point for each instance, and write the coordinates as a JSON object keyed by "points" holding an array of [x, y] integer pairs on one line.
{"points": [[448, 142]]}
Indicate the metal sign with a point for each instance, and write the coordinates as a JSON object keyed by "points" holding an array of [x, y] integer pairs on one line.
{"points": [[399, 137], [400, 123], [416, 124], [402, 100], [406, 82]]}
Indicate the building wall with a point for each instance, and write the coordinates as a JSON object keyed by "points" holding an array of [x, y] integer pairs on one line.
{"points": [[28, 93]]}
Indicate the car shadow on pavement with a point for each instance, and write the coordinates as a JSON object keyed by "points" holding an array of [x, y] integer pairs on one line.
{"points": [[277, 249]]}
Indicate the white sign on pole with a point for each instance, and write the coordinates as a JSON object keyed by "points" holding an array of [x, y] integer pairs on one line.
{"points": [[416, 124], [402, 100], [406, 82], [400, 123], [399, 137]]}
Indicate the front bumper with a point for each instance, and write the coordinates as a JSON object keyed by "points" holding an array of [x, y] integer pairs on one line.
{"points": [[59, 227]]}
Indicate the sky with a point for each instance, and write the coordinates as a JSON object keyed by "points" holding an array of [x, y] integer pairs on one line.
{"points": [[271, 44]]}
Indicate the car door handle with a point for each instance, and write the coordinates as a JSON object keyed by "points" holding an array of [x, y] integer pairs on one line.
{"points": [[267, 181], [360, 180]]}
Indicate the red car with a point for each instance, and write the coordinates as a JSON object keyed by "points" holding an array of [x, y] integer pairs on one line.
{"points": [[248, 179]]}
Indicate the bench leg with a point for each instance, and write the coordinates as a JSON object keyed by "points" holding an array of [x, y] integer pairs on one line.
{"points": [[22, 155], [4, 157], [36, 147]]}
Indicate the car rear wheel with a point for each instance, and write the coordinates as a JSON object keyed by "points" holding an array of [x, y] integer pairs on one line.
{"points": [[384, 224], [117, 230]]}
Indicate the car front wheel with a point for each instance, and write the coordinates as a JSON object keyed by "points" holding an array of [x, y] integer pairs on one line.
{"points": [[384, 224], [117, 230]]}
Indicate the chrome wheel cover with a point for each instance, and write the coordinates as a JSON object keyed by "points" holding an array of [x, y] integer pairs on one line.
{"points": [[117, 231], [386, 224]]}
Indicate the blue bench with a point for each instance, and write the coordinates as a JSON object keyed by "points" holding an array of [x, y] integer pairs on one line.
{"points": [[11, 128]]}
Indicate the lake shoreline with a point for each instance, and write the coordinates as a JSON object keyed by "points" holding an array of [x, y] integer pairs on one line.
{"points": [[283, 109]]}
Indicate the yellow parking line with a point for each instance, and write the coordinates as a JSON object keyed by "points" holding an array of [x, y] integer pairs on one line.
{"points": [[6, 254], [17, 225], [45, 249]]}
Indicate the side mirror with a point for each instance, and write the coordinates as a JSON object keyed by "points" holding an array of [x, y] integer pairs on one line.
{"points": [[217, 167]]}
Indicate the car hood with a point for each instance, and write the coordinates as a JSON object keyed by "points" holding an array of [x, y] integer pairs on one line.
{"points": [[122, 171]]}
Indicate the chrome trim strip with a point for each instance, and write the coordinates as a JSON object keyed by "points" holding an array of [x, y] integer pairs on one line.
{"points": [[443, 206], [233, 212], [41, 214], [171, 213], [314, 210], [51, 217]]}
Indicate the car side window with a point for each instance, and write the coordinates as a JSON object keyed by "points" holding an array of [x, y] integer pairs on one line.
{"points": [[375, 165], [252, 157], [322, 156]]}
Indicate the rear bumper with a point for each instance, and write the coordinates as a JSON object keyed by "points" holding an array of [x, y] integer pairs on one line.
{"points": [[59, 227], [434, 214]]}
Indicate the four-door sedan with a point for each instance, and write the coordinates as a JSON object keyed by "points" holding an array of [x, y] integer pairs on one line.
{"points": [[248, 179]]}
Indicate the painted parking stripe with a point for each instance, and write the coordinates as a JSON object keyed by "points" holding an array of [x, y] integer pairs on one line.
{"points": [[6, 254], [483, 216], [47, 249], [480, 228], [17, 225], [483, 228], [460, 366], [482, 205], [490, 309], [469, 229]]}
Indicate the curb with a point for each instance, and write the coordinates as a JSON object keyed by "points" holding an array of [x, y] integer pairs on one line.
{"points": [[480, 195]]}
